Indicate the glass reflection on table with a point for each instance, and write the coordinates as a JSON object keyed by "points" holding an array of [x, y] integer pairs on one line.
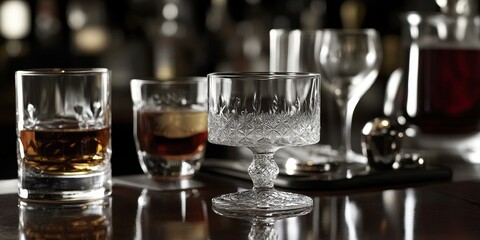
{"points": [[263, 227], [351, 217], [171, 215], [88, 220]]}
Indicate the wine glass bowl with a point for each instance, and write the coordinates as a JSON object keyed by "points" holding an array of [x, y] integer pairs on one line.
{"points": [[349, 60], [263, 111]]}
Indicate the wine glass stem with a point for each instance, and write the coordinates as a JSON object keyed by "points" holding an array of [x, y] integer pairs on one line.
{"points": [[263, 170], [342, 149], [346, 107]]}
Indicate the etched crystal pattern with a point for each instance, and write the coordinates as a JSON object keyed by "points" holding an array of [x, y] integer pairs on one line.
{"points": [[263, 170], [294, 124]]}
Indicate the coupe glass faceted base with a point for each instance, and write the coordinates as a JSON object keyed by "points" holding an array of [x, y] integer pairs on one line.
{"points": [[263, 203]]}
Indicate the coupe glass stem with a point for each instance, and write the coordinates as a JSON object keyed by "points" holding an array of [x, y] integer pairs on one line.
{"points": [[263, 170]]}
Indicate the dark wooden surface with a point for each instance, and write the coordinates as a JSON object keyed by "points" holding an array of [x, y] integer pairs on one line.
{"points": [[142, 209]]}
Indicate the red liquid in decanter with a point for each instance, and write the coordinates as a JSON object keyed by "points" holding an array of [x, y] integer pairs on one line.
{"points": [[448, 94]]}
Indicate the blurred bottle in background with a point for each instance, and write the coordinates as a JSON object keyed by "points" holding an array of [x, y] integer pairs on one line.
{"points": [[439, 83]]}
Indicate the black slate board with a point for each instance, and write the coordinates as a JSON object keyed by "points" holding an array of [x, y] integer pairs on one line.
{"points": [[340, 180]]}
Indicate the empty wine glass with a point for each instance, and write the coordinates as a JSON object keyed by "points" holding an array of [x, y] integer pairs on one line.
{"points": [[291, 51], [263, 112], [349, 60]]}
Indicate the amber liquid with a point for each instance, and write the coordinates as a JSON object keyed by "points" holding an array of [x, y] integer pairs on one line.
{"points": [[80, 227], [171, 133], [66, 151], [448, 99]]}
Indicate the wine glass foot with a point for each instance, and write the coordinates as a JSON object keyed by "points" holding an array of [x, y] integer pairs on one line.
{"points": [[263, 203]]}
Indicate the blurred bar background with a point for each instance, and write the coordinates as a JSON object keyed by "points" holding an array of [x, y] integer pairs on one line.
{"points": [[142, 38]]}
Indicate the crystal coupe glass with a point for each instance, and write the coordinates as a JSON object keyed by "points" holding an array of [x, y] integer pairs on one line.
{"points": [[263, 111]]}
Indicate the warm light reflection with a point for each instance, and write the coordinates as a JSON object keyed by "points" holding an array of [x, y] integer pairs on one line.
{"points": [[461, 28], [91, 39], [442, 30], [410, 132], [183, 205], [294, 44], [76, 17], [367, 128], [351, 218], [409, 217], [473, 156], [143, 201], [14, 19], [169, 28], [371, 57], [412, 80], [414, 20], [441, 3], [291, 166], [164, 66], [170, 11], [385, 123], [349, 174], [86, 19], [388, 199], [293, 228]]}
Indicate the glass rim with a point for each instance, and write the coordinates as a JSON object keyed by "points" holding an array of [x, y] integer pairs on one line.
{"points": [[168, 81], [263, 75], [60, 71]]}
